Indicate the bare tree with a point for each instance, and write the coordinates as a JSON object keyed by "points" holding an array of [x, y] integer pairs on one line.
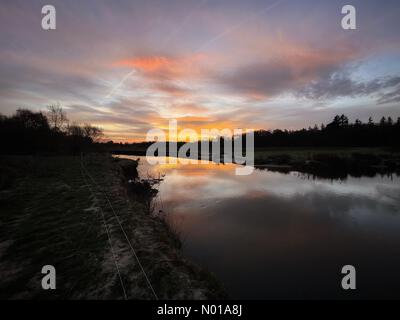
{"points": [[57, 118], [92, 132], [75, 130], [86, 131]]}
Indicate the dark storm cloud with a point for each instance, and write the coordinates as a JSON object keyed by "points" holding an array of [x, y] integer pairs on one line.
{"points": [[265, 79], [340, 84], [390, 97], [291, 67]]}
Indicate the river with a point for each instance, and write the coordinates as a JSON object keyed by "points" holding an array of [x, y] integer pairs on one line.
{"points": [[271, 235]]}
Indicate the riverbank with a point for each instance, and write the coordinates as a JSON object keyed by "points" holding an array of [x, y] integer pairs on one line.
{"points": [[336, 163], [83, 218], [330, 162]]}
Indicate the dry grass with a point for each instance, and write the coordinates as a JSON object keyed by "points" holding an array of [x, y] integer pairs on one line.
{"points": [[51, 214]]}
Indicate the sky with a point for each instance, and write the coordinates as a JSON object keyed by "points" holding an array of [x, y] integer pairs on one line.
{"points": [[131, 66]]}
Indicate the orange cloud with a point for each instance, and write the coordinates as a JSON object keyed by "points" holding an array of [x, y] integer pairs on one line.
{"points": [[145, 63], [169, 75], [165, 66]]}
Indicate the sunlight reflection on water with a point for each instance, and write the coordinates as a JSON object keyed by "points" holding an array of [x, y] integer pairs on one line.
{"points": [[274, 235]]}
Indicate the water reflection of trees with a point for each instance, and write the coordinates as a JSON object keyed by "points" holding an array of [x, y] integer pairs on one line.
{"points": [[332, 173]]}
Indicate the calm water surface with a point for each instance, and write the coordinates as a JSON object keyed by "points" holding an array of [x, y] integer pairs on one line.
{"points": [[274, 235]]}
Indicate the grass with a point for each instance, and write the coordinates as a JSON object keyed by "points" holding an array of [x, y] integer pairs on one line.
{"points": [[52, 214], [301, 154], [335, 163], [44, 216]]}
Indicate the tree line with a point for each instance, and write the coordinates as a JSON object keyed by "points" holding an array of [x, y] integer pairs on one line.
{"points": [[338, 133], [30, 132]]}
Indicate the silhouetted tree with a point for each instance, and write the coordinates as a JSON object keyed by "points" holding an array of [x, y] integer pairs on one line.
{"points": [[370, 121], [94, 133], [28, 132], [340, 132], [57, 118], [336, 121], [29, 120], [343, 121]]}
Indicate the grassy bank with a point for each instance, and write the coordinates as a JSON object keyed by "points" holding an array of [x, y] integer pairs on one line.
{"points": [[302, 154], [54, 212], [321, 162], [330, 162]]}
